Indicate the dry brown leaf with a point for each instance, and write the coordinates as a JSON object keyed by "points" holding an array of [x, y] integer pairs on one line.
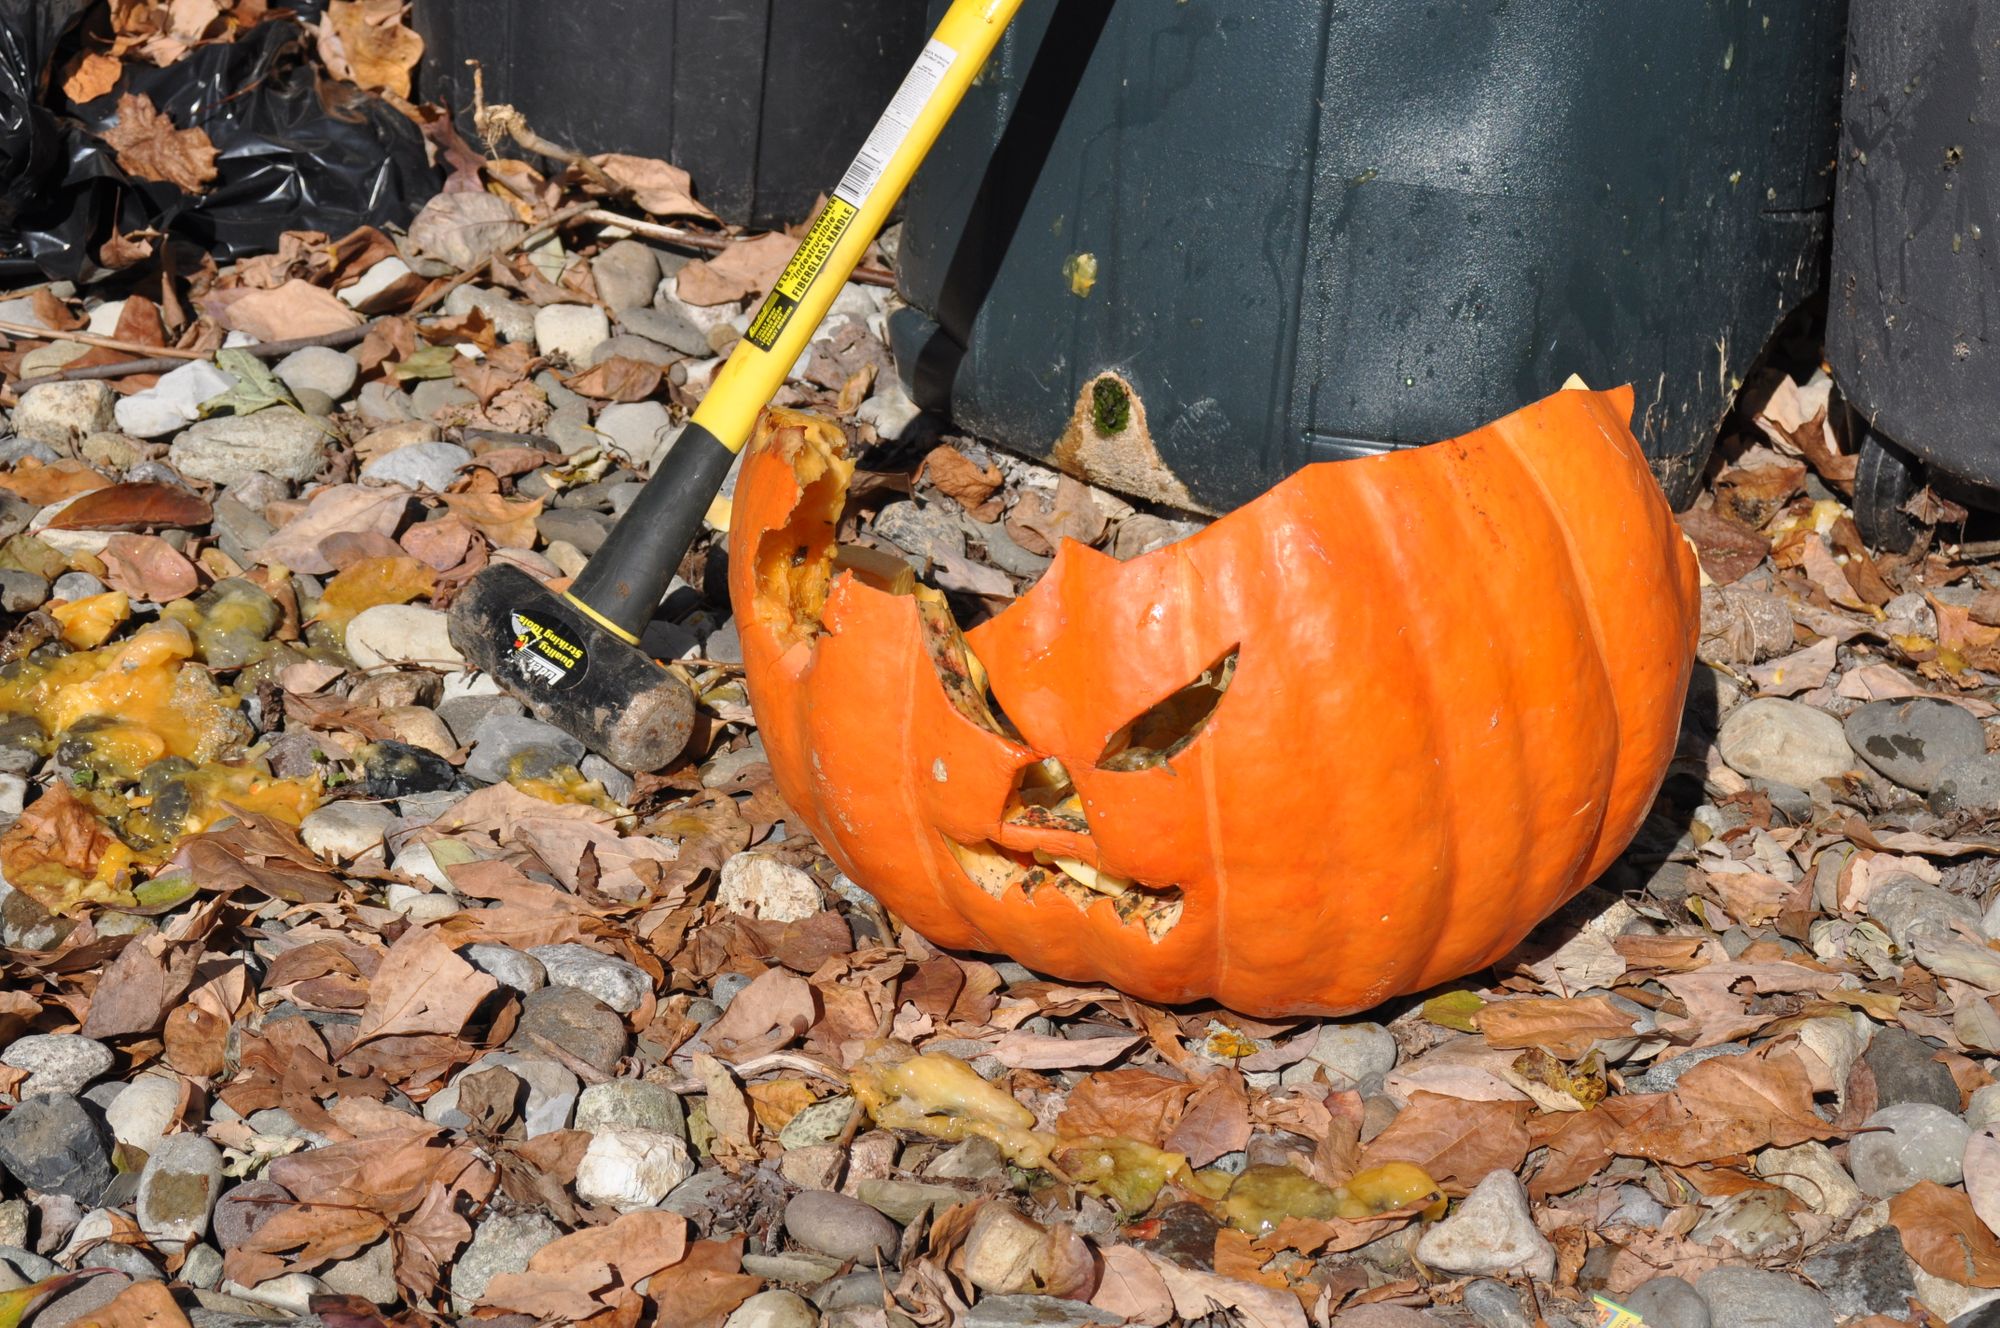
{"points": [[700, 1290], [745, 269], [1197, 1295], [1456, 1142], [294, 309], [147, 979], [146, 1304], [146, 567], [1131, 1288], [617, 379], [571, 1276], [366, 42], [149, 146], [51, 483], [421, 987], [51, 854], [1944, 1235], [1565, 1027], [94, 75], [954, 474], [776, 1008], [1728, 1105], [1729, 550], [508, 522], [659, 187], [146, 505], [335, 509], [1217, 1120]]}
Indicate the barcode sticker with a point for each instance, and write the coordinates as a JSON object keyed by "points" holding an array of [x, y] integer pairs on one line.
{"points": [[894, 126]]}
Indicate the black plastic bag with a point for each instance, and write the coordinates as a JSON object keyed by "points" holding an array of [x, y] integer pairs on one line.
{"points": [[294, 150]]}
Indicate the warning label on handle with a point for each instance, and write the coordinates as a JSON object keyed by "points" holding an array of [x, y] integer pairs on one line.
{"points": [[849, 196]]}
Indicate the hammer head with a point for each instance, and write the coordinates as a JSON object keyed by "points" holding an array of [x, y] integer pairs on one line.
{"points": [[572, 671]]}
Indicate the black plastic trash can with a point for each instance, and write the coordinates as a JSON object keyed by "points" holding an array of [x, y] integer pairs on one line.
{"points": [[1916, 267], [763, 102], [1322, 228]]}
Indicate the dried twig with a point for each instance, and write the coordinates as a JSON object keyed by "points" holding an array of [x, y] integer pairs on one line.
{"points": [[31, 332]]}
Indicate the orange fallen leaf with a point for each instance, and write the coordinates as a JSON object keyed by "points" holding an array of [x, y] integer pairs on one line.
{"points": [[147, 1304], [94, 75], [1945, 1237], [509, 523], [366, 42], [374, 581], [144, 505], [44, 484], [617, 379]]}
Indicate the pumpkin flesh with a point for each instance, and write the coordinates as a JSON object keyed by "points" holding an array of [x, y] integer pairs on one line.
{"points": [[1349, 741]]}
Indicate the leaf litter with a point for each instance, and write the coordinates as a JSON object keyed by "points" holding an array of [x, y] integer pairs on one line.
{"points": [[435, 1022]]}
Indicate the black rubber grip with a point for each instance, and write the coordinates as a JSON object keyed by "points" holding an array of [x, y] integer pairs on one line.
{"points": [[627, 576]]}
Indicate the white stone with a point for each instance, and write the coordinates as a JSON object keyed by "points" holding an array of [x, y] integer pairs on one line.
{"points": [[571, 331], [401, 634], [889, 409], [419, 906], [430, 466], [104, 318], [468, 682], [144, 1109], [785, 1309], [1814, 1174], [1786, 741], [291, 1293], [177, 1191], [64, 414], [627, 1167], [767, 889], [57, 1062], [174, 402], [378, 278], [1492, 1232], [343, 831]]}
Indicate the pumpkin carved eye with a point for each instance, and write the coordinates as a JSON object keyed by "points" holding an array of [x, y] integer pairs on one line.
{"points": [[1165, 730]]}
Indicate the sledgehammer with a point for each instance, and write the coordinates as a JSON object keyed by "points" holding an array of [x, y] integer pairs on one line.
{"points": [[573, 659]]}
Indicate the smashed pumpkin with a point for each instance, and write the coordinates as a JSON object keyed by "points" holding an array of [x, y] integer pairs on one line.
{"points": [[1352, 740]]}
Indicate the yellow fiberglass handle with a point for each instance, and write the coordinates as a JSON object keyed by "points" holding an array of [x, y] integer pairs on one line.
{"points": [[853, 215]]}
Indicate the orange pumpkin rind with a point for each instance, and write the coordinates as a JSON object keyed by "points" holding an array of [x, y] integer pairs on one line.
{"points": [[1352, 740]]}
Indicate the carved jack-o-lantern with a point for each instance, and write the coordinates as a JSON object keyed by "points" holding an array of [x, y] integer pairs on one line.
{"points": [[1349, 741]]}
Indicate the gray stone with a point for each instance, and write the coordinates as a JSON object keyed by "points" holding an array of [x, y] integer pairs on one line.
{"points": [[343, 831], [772, 1309], [52, 1144], [622, 986], [1905, 1071], [501, 1244], [430, 466], [515, 744], [574, 1020], [437, 398], [86, 1297], [1909, 909], [370, 1275], [507, 966], [512, 319], [1663, 1075], [15, 514], [626, 346], [1668, 1302], [700, 1196], [464, 714], [130, 1260], [110, 452], [1912, 740], [626, 275], [724, 645], [178, 1190], [1907, 1143], [668, 326], [1353, 1056], [546, 1106], [59, 1063], [1495, 1304], [618, 785], [1753, 1298], [1491, 1232], [1971, 783], [382, 403], [1039, 1312], [923, 531], [1866, 1276], [584, 530], [1001, 550], [634, 1103], [201, 1266], [64, 414], [1786, 741], [840, 1227], [278, 441], [320, 369], [20, 1266], [570, 331], [640, 431], [245, 1207], [74, 586]]}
